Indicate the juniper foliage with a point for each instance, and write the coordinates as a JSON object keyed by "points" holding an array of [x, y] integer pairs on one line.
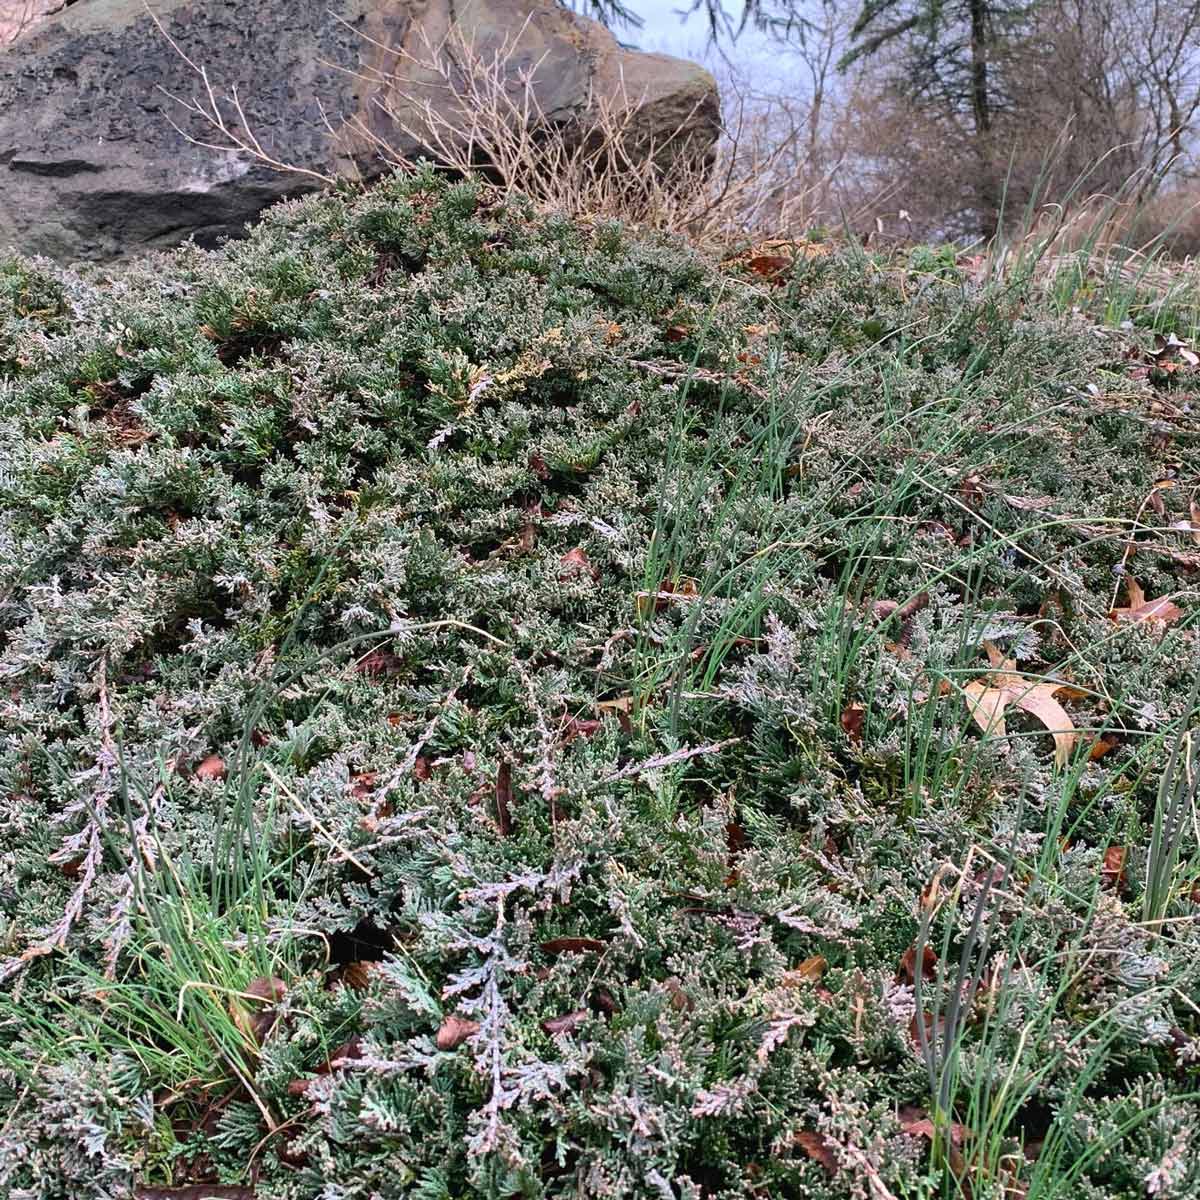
{"points": [[520, 573]]}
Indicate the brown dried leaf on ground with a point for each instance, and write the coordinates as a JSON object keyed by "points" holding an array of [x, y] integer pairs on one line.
{"points": [[194, 1191], [573, 945], [576, 563], [1112, 872], [989, 697], [454, 1031], [915, 1122], [212, 767], [809, 971], [854, 717], [504, 795], [1140, 611], [566, 1023], [819, 1148]]}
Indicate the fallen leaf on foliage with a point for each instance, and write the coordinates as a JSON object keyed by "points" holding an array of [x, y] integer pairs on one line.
{"points": [[575, 563], [884, 610], [194, 1191], [854, 717], [580, 727], [656, 601], [819, 1148], [908, 963], [602, 1001], [680, 1000], [566, 1023], [356, 975], [770, 266], [421, 769], [675, 333], [1139, 610], [253, 1021], [915, 1121], [572, 945], [621, 707], [971, 489], [935, 1029], [735, 842], [377, 663], [267, 987], [213, 767], [988, 698], [504, 799], [454, 1031], [362, 785], [1102, 745], [938, 529], [809, 971], [1112, 873], [537, 464], [346, 1051], [735, 838]]}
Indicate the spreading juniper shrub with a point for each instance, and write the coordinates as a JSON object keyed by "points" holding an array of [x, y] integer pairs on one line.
{"points": [[485, 716]]}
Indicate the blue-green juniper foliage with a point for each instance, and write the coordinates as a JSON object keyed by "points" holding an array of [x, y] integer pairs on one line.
{"points": [[482, 705]]}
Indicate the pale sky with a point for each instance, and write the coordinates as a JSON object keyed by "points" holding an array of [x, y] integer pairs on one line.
{"points": [[666, 32], [753, 56]]}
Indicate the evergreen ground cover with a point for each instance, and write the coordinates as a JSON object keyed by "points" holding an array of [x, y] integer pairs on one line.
{"points": [[504, 706]]}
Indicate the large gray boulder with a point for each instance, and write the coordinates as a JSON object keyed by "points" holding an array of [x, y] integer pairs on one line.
{"points": [[92, 167]]}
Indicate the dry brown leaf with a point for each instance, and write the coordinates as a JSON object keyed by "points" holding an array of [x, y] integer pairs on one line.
{"points": [[379, 663], [583, 727], [1141, 611], [213, 767], [915, 1122], [254, 1021], [195, 1191], [455, 1030], [908, 963], [668, 589], [1112, 873], [572, 945], [770, 266], [363, 784], [566, 1023], [575, 563], [988, 698], [621, 707], [809, 971], [819, 1148], [854, 717], [504, 797]]}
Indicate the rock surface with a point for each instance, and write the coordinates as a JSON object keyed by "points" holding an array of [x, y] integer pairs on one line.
{"points": [[92, 166], [19, 16]]}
